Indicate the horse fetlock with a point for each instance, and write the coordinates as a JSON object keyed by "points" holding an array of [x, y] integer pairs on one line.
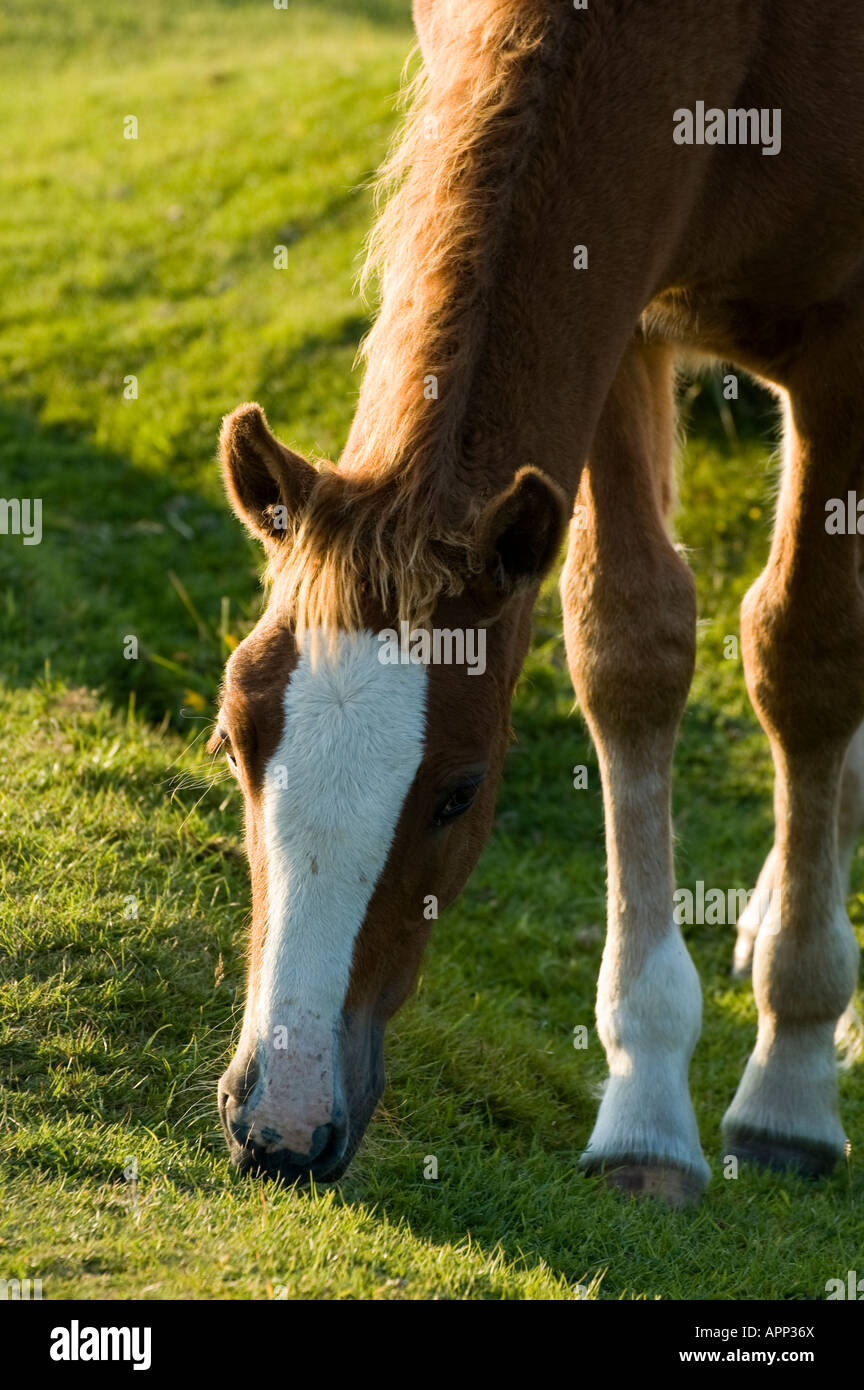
{"points": [[804, 979], [649, 1022], [785, 1114], [757, 911], [745, 944]]}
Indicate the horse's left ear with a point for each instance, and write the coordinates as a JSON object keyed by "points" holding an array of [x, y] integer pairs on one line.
{"points": [[267, 484], [519, 535]]}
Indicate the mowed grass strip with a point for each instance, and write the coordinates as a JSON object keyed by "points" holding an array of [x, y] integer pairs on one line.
{"points": [[124, 888]]}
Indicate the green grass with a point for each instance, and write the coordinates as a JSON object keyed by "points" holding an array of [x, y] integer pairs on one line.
{"points": [[124, 887]]}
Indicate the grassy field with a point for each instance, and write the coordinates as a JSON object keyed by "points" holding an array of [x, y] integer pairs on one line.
{"points": [[124, 888]]}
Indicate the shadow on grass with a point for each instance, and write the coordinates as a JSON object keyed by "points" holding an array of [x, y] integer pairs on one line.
{"points": [[131, 554], [112, 534]]}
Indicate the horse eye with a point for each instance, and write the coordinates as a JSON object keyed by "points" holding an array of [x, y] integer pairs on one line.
{"points": [[457, 801]]}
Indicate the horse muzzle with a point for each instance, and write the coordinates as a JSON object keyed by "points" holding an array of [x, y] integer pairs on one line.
{"points": [[300, 1114]]}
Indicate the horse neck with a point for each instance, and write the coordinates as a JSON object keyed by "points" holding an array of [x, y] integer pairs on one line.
{"points": [[605, 175]]}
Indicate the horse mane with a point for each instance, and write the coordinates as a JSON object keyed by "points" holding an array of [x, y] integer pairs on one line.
{"points": [[397, 517]]}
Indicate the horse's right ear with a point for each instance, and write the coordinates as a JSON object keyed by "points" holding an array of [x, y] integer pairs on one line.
{"points": [[267, 484]]}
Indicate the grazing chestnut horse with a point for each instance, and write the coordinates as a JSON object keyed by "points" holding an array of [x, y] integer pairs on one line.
{"points": [[581, 196]]}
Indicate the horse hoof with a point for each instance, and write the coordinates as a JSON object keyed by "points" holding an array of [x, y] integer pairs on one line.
{"points": [[677, 1187], [799, 1157]]}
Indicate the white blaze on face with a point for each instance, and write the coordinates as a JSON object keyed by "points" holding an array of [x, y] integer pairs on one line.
{"points": [[333, 791]]}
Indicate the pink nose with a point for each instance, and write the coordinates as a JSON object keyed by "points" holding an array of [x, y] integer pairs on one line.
{"points": [[283, 1100], [290, 1107]]}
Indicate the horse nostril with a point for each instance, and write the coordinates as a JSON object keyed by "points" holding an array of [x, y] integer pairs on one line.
{"points": [[231, 1112], [322, 1140], [232, 1122], [240, 1079], [329, 1144]]}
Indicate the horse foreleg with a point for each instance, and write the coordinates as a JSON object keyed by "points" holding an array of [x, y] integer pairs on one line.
{"points": [[630, 621], [803, 646]]}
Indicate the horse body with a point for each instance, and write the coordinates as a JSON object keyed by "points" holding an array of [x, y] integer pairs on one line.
{"points": [[547, 256]]}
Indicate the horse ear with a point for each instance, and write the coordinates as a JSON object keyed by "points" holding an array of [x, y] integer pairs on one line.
{"points": [[266, 483], [520, 534]]}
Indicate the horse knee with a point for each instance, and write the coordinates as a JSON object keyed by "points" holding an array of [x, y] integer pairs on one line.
{"points": [[632, 645], [804, 664]]}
